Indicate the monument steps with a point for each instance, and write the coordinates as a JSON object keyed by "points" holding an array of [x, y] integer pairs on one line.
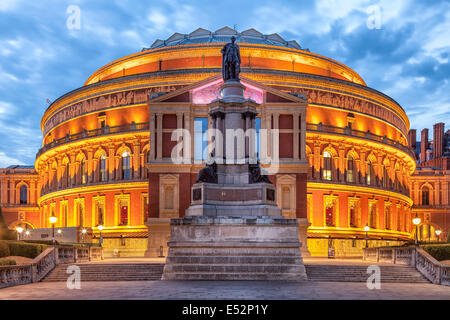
{"points": [[221, 259], [353, 273], [243, 276], [109, 272]]}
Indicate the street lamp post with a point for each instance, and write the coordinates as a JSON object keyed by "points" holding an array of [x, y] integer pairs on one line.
{"points": [[438, 234], [100, 228], [83, 232], [416, 222], [19, 229], [366, 229], [53, 220]]}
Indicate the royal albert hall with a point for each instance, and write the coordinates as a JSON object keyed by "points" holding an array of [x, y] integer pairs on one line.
{"points": [[343, 164]]}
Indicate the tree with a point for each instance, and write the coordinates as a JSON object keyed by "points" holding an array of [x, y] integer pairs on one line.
{"points": [[448, 237], [5, 233]]}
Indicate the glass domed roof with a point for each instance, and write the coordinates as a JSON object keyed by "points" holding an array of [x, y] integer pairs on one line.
{"points": [[224, 35]]}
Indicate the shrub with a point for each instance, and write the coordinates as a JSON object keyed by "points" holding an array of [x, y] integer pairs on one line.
{"points": [[448, 237], [46, 242], [4, 249], [439, 252], [7, 262], [28, 250]]}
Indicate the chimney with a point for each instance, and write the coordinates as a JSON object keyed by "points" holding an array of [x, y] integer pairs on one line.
{"points": [[438, 134], [423, 144], [412, 134]]}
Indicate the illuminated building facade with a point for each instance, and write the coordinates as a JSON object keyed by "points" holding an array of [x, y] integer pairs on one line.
{"points": [[94, 168], [430, 183]]}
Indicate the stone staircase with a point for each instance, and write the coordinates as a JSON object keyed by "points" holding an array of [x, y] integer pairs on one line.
{"points": [[223, 266], [234, 264], [109, 272], [358, 273]]}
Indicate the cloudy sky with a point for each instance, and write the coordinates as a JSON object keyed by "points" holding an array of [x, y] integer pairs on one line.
{"points": [[399, 47]]}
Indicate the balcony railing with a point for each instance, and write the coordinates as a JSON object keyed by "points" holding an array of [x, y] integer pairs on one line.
{"points": [[133, 127], [359, 134]]}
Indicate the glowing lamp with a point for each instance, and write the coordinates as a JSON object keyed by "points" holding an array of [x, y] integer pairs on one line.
{"points": [[19, 229], [59, 231], [438, 232], [366, 228], [27, 233], [100, 227], [53, 219], [416, 221], [84, 231]]}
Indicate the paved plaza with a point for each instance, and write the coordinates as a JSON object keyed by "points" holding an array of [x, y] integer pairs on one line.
{"points": [[223, 290]]}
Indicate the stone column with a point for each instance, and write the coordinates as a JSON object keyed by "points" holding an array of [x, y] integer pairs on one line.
{"points": [[136, 158], [111, 162], [152, 141], [159, 130], [90, 165], [187, 139], [295, 136]]}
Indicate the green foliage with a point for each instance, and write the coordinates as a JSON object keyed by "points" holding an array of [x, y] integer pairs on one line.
{"points": [[439, 252], [28, 250], [5, 233], [448, 237], [46, 242], [4, 249], [7, 262]]}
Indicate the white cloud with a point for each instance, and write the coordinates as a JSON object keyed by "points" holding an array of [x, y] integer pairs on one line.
{"points": [[6, 161], [9, 5]]}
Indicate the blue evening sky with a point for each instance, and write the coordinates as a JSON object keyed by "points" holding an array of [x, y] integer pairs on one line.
{"points": [[406, 56]]}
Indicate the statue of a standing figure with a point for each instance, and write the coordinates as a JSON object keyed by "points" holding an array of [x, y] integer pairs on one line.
{"points": [[231, 61]]}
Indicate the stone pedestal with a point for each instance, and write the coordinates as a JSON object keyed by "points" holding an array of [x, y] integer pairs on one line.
{"points": [[264, 248]]}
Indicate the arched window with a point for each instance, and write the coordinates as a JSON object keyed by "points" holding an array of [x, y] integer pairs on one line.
{"points": [[369, 174], [23, 194], [385, 177], [102, 169], [350, 169], [326, 171], [126, 169], [83, 171], [67, 175], [425, 196]]}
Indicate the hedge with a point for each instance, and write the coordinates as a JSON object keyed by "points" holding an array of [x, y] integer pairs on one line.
{"points": [[4, 249], [22, 249], [439, 252], [7, 262]]}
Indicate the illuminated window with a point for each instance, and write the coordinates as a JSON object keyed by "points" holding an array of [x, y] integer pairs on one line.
{"points": [[102, 166], [326, 171], [126, 168], [350, 169], [23, 194], [123, 213], [425, 196], [329, 216]]}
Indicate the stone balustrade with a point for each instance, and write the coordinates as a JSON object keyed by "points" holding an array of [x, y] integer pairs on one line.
{"points": [[46, 262], [428, 266]]}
